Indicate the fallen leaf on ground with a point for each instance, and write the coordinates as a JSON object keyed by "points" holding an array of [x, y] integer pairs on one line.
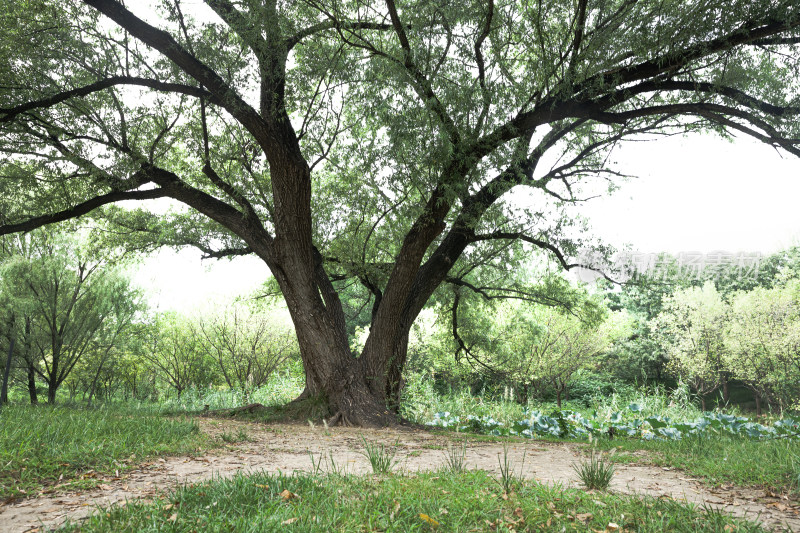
{"points": [[428, 520], [287, 495], [289, 521]]}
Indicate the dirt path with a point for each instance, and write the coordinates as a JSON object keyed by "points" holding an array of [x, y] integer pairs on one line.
{"points": [[290, 447]]}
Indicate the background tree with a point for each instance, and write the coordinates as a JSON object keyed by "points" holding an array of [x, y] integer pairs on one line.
{"points": [[642, 355], [72, 307], [692, 328], [763, 340], [248, 347], [562, 346], [16, 316], [172, 347], [361, 140]]}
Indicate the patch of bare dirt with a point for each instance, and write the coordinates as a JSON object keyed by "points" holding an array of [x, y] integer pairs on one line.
{"points": [[291, 448]]}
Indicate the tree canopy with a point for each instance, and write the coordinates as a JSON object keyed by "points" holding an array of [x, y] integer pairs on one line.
{"points": [[404, 145]]}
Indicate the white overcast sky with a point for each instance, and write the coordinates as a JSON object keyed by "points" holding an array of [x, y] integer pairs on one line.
{"points": [[692, 194]]}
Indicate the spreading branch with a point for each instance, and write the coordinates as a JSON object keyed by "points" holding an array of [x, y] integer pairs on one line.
{"points": [[349, 26], [81, 209], [249, 32], [556, 107], [170, 48], [10, 113], [487, 101]]}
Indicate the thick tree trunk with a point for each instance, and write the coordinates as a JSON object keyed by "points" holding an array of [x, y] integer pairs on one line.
{"points": [[312, 388], [332, 372], [394, 375], [51, 392]]}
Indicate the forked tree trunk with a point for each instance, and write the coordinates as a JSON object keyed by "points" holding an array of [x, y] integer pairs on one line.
{"points": [[332, 372]]}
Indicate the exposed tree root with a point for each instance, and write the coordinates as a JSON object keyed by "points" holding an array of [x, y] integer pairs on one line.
{"points": [[339, 418], [249, 408]]}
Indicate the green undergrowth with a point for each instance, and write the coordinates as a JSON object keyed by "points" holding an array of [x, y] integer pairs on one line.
{"points": [[422, 402], [668, 430], [468, 501], [49, 446], [281, 390]]}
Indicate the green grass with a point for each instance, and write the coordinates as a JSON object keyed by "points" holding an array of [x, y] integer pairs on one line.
{"points": [[455, 458], [380, 456], [510, 477], [720, 459], [596, 472], [469, 501], [231, 438], [44, 446]]}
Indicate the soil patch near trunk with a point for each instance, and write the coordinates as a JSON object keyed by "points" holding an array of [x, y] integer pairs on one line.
{"points": [[295, 447]]}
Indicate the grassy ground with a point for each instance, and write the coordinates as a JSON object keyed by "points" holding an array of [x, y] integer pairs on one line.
{"points": [[470, 501], [43, 446], [772, 465], [40, 445], [769, 464]]}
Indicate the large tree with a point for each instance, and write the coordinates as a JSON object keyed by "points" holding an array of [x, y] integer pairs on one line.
{"points": [[377, 141]]}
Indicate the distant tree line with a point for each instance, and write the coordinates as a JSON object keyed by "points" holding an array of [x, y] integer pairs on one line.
{"points": [[76, 322]]}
